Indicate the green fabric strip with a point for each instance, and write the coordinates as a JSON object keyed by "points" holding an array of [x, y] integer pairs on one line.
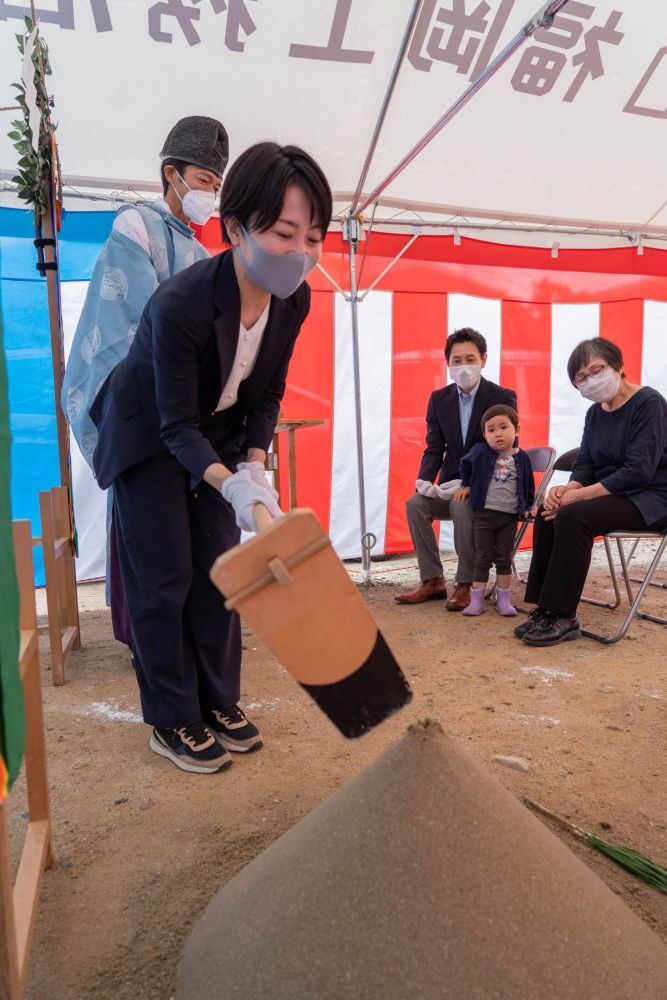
{"points": [[12, 721]]}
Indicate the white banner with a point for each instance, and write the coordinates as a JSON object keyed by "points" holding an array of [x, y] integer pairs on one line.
{"points": [[572, 127]]}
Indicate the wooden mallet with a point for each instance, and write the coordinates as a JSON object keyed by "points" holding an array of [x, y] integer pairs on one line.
{"points": [[291, 587]]}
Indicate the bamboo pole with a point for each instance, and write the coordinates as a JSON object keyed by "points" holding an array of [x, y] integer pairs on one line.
{"points": [[56, 332]]}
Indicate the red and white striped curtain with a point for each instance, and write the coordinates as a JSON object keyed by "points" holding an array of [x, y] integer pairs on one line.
{"points": [[531, 308]]}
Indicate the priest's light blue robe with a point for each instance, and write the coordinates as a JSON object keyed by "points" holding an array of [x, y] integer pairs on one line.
{"points": [[124, 278]]}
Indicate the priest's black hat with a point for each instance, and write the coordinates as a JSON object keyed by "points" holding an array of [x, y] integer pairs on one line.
{"points": [[198, 140]]}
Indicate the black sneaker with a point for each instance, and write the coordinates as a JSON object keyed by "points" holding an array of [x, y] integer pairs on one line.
{"points": [[233, 729], [192, 748], [552, 630], [534, 618]]}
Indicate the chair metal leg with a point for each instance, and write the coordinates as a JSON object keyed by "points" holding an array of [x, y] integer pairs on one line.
{"points": [[634, 608], [523, 528], [658, 584], [638, 579], [625, 560], [624, 568], [643, 614], [652, 618], [614, 581]]}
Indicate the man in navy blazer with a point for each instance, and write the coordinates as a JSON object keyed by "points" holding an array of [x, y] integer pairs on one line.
{"points": [[452, 428]]}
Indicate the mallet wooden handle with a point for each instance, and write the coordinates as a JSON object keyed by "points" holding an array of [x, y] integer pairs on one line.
{"points": [[261, 517]]}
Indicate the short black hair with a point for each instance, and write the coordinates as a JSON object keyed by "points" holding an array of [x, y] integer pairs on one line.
{"points": [[254, 189], [179, 165], [599, 347], [463, 335], [500, 410]]}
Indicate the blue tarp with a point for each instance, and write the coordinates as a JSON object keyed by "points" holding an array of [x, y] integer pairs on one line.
{"points": [[25, 319]]}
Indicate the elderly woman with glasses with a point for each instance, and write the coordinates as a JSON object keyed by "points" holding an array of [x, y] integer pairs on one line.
{"points": [[618, 483]]}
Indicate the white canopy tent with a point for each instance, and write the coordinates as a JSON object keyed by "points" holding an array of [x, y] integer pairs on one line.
{"points": [[568, 138], [571, 132]]}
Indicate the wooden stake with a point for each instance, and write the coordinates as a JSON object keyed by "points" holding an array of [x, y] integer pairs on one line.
{"points": [[9, 970], [19, 906]]}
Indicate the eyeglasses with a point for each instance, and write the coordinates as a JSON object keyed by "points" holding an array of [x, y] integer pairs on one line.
{"points": [[583, 375]]}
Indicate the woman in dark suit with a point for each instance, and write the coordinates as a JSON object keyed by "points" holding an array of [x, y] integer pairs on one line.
{"points": [[184, 425]]}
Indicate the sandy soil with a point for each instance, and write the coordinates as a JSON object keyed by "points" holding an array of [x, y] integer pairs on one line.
{"points": [[141, 847]]}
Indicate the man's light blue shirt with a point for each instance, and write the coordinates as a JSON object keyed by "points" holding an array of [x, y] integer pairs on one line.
{"points": [[466, 403]]}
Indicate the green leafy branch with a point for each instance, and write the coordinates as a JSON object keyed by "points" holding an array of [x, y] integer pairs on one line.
{"points": [[34, 168]]}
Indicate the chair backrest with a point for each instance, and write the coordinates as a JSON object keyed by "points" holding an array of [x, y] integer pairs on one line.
{"points": [[542, 460], [565, 462]]}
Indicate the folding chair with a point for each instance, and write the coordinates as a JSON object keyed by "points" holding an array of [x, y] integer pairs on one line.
{"points": [[636, 579], [565, 463], [646, 582], [542, 460]]}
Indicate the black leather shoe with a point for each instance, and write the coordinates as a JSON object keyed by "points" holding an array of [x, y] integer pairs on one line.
{"points": [[534, 618], [551, 630]]}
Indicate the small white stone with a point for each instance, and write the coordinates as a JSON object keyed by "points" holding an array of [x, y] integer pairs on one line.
{"points": [[518, 763]]}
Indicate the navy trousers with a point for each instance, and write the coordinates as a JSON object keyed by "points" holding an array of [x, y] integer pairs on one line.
{"points": [[187, 647]]}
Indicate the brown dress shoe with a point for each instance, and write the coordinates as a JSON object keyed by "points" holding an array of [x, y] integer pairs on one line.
{"points": [[428, 590], [460, 599]]}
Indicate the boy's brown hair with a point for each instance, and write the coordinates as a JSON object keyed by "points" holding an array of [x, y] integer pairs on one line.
{"points": [[500, 410]]}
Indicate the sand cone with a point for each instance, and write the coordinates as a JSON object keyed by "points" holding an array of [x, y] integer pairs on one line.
{"points": [[421, 878]]}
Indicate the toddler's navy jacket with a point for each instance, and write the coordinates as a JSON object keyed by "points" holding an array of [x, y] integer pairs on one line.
{"points": [[477, 469]]}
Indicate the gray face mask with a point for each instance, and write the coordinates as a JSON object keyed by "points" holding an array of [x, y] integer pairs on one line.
{"points": [[280, 274]]}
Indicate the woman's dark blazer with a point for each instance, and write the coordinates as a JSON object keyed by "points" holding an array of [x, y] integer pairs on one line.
{"points": [[163, 395]]}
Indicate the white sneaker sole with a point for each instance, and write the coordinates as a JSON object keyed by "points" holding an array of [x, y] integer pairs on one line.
{"points": [[238, 746], [183, 763]]}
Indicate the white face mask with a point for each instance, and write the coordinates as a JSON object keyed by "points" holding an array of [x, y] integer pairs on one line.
{"points": [[466, 376], [601, 388], [198, 205]]}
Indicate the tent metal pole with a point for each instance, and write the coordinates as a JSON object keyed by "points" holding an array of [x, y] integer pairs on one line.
{"points": [[389, 93], [332, 281], [543, 18], [368, 540], [627, 233], [392, 262]]}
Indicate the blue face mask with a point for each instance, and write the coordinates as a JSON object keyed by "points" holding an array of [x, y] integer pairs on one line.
{"points": [[280, 274]]}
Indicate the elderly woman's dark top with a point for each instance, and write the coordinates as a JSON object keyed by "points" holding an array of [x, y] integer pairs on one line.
{"points": [[626, 451]]}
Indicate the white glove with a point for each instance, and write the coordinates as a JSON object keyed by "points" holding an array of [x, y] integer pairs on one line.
{"points": [[424, 488], [257, 474], [445, 491], [243, 492]]}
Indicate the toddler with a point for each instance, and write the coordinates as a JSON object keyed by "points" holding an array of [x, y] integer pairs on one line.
{"points": [[498, 478]]}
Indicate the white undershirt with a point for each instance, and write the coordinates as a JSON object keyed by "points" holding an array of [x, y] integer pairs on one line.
{"points": [[247, 350], [131, 224]]}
